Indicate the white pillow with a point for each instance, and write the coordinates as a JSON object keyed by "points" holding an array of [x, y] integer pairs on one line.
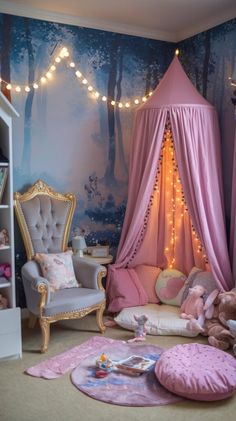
{"points": [[163, 319], [58, 269]]}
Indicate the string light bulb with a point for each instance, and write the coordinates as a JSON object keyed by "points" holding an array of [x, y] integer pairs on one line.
{"points": [[63, 54]]}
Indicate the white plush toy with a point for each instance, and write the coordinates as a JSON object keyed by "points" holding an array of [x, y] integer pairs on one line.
{"points": [[140, 330]]}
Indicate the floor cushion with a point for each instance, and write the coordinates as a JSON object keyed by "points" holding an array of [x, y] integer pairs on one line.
{"points": [[163, 319], [148, 276], [198, 372]]}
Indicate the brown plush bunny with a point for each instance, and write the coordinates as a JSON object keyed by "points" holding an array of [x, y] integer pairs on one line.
{"points": [[217, 328]]}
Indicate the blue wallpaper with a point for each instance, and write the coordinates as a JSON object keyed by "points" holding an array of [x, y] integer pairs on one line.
{"points": [[209, 59], [80, 144], [70, 140]]}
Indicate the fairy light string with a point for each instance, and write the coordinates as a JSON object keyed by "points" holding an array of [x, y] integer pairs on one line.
{"points": [[64, 56], [168, 192], [177, 210]]}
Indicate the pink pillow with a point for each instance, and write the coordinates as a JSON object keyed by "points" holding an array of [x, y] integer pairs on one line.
{"points": [[198, 372], [57, 269], [148, 277], [125, 290]]}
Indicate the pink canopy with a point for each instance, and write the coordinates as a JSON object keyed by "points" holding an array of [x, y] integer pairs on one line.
{"points": [[233, 216], [196, 140]]}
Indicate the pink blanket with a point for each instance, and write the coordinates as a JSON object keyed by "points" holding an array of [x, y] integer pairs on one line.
{"points": [[60, 364]]}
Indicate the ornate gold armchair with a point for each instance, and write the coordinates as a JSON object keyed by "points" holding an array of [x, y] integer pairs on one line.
{"points": [[44, 218]]}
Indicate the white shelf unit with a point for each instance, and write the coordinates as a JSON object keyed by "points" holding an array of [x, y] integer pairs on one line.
{"points": [[10, 320]]}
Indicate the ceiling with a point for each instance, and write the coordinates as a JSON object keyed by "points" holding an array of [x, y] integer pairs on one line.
{"points": [[168, 20]]}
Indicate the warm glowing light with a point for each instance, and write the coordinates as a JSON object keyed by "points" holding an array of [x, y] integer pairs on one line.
{"points": [[177, 52], [63, 54]]}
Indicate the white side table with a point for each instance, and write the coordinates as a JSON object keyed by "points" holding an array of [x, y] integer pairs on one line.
{"points": [[100, 260]]}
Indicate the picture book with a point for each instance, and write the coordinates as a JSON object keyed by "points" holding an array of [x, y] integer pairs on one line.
{"points": [[134, 365]]}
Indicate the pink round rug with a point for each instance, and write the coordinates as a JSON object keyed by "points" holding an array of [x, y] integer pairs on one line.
{"points": [[122, 389]]}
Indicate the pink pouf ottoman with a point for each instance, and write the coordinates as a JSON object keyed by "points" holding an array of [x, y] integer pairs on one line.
{"points": [[198, 372]]}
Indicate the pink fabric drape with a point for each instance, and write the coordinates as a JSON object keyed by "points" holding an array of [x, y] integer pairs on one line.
{"points": [[146, 144], [233, 217], [197, 146]]}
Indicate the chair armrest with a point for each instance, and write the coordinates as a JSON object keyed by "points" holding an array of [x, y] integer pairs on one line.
{"points": [[37, 289], [89, 274]]}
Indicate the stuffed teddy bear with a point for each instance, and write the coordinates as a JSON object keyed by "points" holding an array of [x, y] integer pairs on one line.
{"points": [[217, 328], [195, 309]]}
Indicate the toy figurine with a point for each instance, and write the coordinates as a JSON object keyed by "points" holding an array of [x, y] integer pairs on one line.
{"points": [[104, 363], [4, 239], [3, 302], [140, 330]]}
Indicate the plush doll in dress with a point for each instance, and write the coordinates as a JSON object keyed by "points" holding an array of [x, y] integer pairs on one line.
{"points": [[196, 310], [221, 328], [140, 331], [5, 270]]}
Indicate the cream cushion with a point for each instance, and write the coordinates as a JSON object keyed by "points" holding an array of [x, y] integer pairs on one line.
{"points": [[58, 269], [170, 286], [163, 319]]}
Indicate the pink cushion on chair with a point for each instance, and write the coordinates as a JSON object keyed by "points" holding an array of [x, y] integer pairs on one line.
{"points": [[148, 277], [198, 372]]}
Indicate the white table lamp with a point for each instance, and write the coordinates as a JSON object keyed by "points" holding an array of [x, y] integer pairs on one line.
{"points": [[78, 245]]}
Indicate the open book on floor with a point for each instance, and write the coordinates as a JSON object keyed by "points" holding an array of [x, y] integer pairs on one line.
{"points": [[134, 365]]}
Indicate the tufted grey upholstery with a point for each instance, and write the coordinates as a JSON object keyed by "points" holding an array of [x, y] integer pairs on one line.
{"points": [[46, 219]]}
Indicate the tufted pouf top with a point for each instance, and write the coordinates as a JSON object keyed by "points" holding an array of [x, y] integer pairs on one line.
{"points": [[196, 371]]}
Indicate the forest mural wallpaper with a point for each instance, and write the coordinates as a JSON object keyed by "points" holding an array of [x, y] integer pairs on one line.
{"points": [[78, 141]]}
